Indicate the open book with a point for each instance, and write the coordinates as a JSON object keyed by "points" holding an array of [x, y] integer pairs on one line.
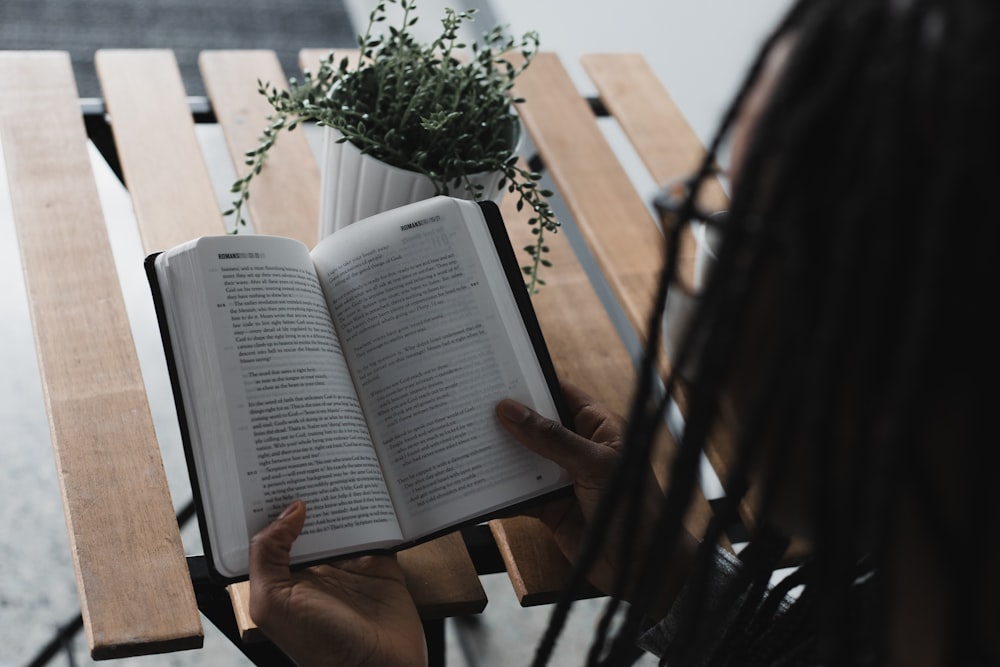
{"points": [[361, 377]]}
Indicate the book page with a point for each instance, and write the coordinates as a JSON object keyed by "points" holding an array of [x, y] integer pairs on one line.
{"points": [[434, 341], [298, 431]]}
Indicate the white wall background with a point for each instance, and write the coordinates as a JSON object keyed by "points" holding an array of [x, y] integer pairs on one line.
{"points": [[700, 49]]}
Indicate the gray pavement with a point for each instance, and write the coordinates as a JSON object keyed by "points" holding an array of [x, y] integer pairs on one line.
{"points": [[186, 26]]}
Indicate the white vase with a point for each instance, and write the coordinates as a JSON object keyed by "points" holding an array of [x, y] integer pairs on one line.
{"points": [[355, 186]]}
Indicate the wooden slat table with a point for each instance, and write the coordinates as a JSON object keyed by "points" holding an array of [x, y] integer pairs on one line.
{"points": [[135, 589]]}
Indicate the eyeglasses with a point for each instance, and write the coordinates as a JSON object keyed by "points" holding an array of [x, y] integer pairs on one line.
{"points": [[697, 232]]}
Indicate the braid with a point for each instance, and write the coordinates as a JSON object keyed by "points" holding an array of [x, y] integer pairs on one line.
{"points": [[643, 424], [867, 156], [626, 470], [825, 296], [640, 440]]}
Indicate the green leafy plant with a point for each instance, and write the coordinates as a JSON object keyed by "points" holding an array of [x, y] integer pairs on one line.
{"points": [[442, 109]]}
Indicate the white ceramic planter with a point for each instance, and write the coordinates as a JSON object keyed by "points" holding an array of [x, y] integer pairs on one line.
{"points": [[355, 186]]}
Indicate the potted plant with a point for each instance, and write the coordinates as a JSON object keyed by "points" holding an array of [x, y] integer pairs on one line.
{"points": [[439, 111]]}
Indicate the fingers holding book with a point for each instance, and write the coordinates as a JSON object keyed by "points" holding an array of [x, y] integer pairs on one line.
{"points": [[357, 611]]}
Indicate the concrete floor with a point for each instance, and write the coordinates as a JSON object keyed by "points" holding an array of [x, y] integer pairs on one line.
{"points": [[37, 590]]}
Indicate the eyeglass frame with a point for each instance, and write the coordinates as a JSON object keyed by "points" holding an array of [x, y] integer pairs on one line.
{"points": [[668, 202]]}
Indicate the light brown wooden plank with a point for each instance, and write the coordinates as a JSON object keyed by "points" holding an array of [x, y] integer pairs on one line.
{"points": [[161, 159], [611, 215], [586, 351], [668, 146], [654, 124], [442, 578], [239, 594], [284, 198], [135, 589], [536, 567], [441, 574]]}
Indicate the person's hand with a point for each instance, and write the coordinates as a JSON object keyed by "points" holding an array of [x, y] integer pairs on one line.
{"points": [[589, 455], [355, 612]]}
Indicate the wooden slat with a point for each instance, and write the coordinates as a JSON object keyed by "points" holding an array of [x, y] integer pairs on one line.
{"points": [[441, 574], [612, 217], [442, 578], [285, 196], [239, 594], [575, 327], [654, 124], [586, 349], [658, 131], [134, 585], [161, 159], [661, 136], [669, 147], [588, 352]]}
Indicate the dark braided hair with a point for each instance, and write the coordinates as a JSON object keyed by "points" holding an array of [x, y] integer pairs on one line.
{"points": [[853, 282]]}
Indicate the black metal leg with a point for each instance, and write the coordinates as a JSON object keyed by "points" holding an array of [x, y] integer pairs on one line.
{"points": [[62, 641], [434, 633]]}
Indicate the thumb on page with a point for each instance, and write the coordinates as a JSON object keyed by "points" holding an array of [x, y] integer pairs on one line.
{"points": [[579, 456], [270, 552]]}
